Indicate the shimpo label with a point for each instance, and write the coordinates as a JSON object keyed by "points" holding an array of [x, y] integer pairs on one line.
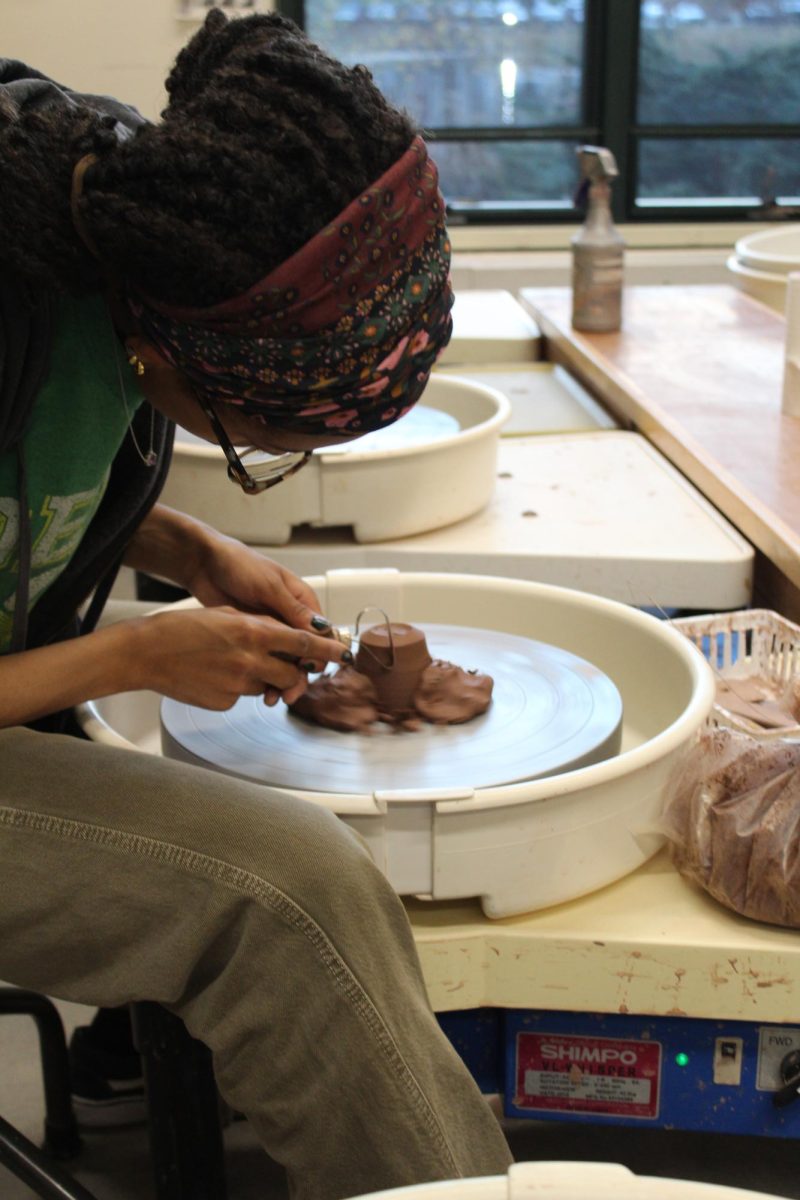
{"points": [[564, 1073]]}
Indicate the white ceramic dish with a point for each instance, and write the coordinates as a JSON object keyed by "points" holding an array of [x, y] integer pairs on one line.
{"points": [[414, 484], [525, 845]]}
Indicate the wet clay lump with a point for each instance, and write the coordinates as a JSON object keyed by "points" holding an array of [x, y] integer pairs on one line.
{"points": [[395, 680]]}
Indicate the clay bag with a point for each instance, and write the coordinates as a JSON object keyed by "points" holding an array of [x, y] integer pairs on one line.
{"points": [[733, 820]]}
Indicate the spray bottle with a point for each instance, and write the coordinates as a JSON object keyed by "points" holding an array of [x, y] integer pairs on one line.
{"points": [[597, 249]]}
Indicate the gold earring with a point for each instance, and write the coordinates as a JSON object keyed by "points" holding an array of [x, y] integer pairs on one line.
{"points": [[136, 363]]}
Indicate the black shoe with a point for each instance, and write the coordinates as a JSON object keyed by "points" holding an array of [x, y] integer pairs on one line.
{"points": [[107, 1087]]}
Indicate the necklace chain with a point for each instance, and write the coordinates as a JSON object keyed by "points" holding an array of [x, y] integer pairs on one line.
{"points": [[149, 457]]}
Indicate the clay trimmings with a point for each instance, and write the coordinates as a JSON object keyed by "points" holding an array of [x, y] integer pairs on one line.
{"points": [[760, 701], [394, 679]]}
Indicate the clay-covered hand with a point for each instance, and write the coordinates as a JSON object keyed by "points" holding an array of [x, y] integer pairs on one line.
{"points": [[212, 656]]}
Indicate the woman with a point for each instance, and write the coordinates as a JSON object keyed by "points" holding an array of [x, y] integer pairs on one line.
{"points": [[272, 262]]}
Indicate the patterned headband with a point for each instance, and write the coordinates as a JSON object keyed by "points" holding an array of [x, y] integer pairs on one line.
{"points": [[342, 336]]}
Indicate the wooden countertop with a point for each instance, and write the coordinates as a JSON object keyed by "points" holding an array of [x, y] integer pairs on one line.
{"points": [[699, 371]]}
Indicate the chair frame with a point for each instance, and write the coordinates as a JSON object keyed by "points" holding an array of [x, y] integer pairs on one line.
{"points": [[183, 1107], [61, 1139]]}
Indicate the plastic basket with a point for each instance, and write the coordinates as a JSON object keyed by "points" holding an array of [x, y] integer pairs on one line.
{"points": [[754, 642]]}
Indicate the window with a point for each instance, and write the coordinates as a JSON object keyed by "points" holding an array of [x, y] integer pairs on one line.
{"points": [[699, 100], [718, 104], [195, 10]]}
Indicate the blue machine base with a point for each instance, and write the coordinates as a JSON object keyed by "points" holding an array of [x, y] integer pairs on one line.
{"points": [[643, 1072]]}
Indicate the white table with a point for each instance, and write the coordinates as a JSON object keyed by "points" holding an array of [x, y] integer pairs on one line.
{"points": [[602, 512], [491, 326], [651, 943]]}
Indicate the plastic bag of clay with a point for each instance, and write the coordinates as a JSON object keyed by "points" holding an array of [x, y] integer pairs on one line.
{"points": [[733, 821]]}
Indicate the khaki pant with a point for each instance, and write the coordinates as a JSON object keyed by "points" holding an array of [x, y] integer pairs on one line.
{"points": [[262, 922]]}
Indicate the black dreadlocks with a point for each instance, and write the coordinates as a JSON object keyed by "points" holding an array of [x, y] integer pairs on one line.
{"points": [[264, 140]]}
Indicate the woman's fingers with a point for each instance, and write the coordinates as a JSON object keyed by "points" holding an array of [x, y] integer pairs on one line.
{"points": [[211, 656], [307, 650]]}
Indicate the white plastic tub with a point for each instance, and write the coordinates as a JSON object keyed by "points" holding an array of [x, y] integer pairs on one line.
{"points": [[521, 846], [767, 286], [763, 260], [566, 1181], [379, 493], [773, 250]]}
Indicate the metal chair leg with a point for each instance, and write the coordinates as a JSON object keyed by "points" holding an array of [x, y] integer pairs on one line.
{"points": [[33, 1167], [61, 1138], [182, 1106]]}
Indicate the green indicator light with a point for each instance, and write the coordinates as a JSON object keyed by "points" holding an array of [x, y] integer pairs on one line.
{"points": [[682, 1059]]}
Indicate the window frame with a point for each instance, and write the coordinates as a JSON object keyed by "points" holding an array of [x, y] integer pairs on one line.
{"points": [[609, 107]]}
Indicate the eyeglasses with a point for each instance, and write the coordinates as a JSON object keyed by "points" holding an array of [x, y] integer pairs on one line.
{"points": [[265, 470]]}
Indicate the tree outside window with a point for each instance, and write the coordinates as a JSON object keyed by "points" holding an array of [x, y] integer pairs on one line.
{"points": [[698, 99]]}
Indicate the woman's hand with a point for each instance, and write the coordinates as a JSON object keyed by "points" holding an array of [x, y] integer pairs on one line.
{"points": [[220, 570], [254, 610], [204, 656], [228, 572], [212, 656]]}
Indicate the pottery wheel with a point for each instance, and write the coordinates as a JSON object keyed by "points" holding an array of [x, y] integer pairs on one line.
{"points": [[551, 712]]}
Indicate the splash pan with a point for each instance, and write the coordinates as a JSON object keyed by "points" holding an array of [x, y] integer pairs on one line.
{"points": [[518, 845], [453, 436]]}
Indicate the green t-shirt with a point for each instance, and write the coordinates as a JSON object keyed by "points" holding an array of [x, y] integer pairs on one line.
{"points": [[77, 426]]}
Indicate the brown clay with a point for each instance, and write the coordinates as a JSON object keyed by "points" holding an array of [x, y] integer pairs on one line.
{"points": [[759, 700], [394, 679], [344, 701], [393, 657], [448, 695]]}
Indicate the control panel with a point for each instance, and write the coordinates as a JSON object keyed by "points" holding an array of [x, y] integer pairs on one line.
{"points": [[669, 1072]]}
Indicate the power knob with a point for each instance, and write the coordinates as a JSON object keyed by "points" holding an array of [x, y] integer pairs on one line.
{"points": [[790, 1074]]}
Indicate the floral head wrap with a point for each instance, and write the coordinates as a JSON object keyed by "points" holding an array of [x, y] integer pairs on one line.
{"points": [[343, 335]]}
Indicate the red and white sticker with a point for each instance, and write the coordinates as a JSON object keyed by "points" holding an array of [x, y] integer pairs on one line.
{"points": [[571, 1073]]}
